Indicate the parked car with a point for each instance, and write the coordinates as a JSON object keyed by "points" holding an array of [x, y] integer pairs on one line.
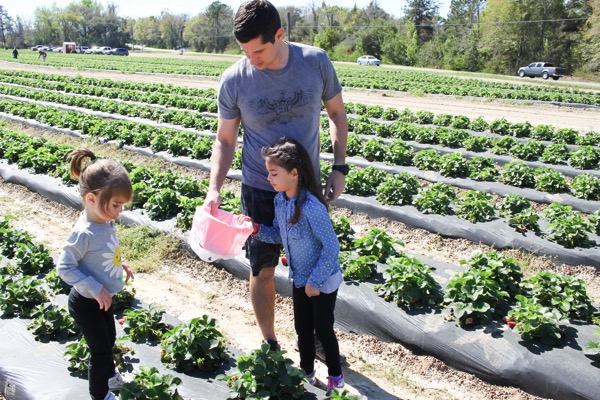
{"points": [[119, 52], [91, 50], [544, 69], [37, 47], [81, 49], [368, 60], [105, 50]]}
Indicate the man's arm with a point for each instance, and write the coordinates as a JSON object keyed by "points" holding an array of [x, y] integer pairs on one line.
{"points": [[338, 129], [221, 159]]}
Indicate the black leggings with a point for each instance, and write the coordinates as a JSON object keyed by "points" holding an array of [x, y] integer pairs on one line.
{"points": [[315, 315], [98, 328]]}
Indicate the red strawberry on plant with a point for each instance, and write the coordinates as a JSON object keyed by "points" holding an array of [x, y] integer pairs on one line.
{"points": [[512, 324]]}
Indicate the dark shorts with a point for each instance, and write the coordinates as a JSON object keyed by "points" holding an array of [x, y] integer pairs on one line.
{"points": [[258, 204]]}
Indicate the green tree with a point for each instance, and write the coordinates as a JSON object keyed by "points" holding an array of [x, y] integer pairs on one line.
{"points": [[422, 14], [219, 17]]}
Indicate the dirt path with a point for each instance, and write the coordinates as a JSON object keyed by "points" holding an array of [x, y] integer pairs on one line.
{"points": [[583, 120]]}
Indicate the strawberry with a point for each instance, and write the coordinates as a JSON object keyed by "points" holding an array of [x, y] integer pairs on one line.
{"points": [[511, 324], [284, 260]]}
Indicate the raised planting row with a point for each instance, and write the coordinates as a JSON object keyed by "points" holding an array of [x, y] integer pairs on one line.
{"points": [[184, 97], [169, 202], [31, 289], [381, 78], [63, 82], [158, 139]]}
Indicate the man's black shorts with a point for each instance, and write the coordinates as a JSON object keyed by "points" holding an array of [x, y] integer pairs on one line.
{"points": [[258, 204]]}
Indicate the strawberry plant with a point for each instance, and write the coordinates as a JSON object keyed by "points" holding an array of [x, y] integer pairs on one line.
{"points": [[585, 157], [589, 139], [473, 296], [513, 204], [197, 344], [564, 293], [124, 298], [345, 232], [11, 240], [542, 132], [376, 111], [594, 220], [586, 186], [21, 295], [523, 221], [520, 129], [342, 394], [52, 323], [593, 346], [427, 160], [474, 206], [537, 323], [504, 270], [435, 199], [528, 151], [518, 174], [453, 165], [479, 124], [355, 144], [33, 259], [398, 190], [265, 374], [555, 153], [406, 115], [374, 150], [549, 180], [77, 354], [427, 135], [398, 153], [146, 324], [56, 284], [500, 126], [378, 243], [443, 119], [566, 227], [482, 169], [356, 267], [460, 122], [150, 384], [565, 135], [424, 117], [390, 114], [409, 283], [364, 182], [452, 138], [476, 143], [384, 130]]}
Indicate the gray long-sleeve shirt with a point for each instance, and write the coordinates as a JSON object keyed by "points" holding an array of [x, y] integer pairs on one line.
{"points": [[91, 258]]}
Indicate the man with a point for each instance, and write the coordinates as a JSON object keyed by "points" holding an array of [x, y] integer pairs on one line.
{"points": [[276, 90]]}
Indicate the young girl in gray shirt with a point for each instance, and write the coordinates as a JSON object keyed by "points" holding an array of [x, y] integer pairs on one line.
{"points": [[91, 263]]}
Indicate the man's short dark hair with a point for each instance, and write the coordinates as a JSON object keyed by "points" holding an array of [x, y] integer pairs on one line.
{"points": [[256, 18]]}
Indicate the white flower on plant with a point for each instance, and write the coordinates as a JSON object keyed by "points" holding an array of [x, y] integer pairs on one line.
{"points": [[112, 264]]}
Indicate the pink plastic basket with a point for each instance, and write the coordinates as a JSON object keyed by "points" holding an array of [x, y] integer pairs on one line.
{"points": [[220, 236]]}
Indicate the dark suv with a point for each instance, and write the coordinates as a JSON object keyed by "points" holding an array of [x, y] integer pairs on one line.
{"points": [[119, 52], [543, 69]]}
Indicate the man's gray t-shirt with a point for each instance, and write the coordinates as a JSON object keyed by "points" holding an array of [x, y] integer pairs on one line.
{"points": [[272, 104]]}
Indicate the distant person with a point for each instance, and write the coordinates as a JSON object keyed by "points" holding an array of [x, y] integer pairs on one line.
{"points": [[277, 89], [302, 224], [15, 53], [43, 55], [91, 263]]}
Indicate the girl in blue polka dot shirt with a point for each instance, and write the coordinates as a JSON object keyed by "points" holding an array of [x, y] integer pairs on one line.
{"points": [[302, 224]]}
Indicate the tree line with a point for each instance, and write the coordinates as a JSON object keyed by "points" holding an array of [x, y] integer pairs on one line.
{"points": [[496, 36]]}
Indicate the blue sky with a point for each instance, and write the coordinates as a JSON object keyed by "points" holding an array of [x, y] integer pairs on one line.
{"points": [[144, 8]]}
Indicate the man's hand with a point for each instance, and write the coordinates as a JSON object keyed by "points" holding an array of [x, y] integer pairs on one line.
{"points": [[212, 200], [336, 182]]}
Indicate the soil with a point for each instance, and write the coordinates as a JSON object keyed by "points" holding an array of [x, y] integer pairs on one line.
{"points": [[187, 287]]}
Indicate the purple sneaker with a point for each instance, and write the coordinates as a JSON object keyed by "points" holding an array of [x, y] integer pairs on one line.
{"points": [[335, 382]]}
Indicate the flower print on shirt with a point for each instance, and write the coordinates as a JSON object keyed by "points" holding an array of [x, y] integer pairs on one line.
{"points": [[112, 264]]}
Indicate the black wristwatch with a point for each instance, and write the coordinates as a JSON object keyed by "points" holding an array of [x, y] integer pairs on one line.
{"points": [[343, 168]]}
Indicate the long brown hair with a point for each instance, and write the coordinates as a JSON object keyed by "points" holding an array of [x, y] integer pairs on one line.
{"points": [[289, 154], [103, 177]]}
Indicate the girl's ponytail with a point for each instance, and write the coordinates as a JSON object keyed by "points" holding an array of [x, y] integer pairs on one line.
{"points": [[77, 159]]}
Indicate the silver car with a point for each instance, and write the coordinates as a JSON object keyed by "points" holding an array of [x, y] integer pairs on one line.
{"points": [[368, 60]]}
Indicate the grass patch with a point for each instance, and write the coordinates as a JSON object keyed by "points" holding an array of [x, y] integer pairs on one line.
{"points": [[143, 249]]}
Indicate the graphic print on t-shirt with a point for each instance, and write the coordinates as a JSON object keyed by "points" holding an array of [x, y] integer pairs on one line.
{"points": [[284, 109], [112, 263]]}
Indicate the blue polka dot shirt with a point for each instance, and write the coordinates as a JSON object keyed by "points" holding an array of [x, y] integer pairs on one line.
{"points": [[311, 244]]}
